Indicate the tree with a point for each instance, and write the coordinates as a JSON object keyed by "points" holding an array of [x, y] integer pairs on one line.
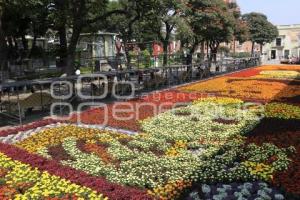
{"points": [[166, 17], [189, 31], [130, 25], [213, 21], [240, 29], [18, 19], [189, 38], [3, 45], [14, 23], [39, 22], [76, 15], [261, 30]]}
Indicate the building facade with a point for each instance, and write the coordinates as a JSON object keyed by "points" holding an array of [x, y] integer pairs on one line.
{"points": [[286, 45]]}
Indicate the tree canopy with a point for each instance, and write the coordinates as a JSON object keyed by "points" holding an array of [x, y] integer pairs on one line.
{"points": [[261, 30], [193, 22]]}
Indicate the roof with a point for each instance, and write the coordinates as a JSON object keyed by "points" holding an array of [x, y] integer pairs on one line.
{"points": [[290, 26]]}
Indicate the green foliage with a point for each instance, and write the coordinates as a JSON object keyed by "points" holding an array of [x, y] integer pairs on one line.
{"points": [[136, 21], [209, 20], [224, 49], [141, 59], [133, 54], [261, 30], [146, 58], [240, 28]]}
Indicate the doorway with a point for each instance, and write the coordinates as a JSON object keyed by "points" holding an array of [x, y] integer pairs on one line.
{"points": [[273, 54]]}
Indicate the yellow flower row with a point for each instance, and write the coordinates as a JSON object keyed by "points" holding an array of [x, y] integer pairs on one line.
{"points": [[219, 100], [282, 110], [279, 74], [171, 190], [56, 136], [42, 184]]}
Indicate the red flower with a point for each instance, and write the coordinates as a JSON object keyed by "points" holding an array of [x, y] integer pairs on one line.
{"points": [[27, 127], [282, 133], [99, 184], [246, 73], [126, 115]]}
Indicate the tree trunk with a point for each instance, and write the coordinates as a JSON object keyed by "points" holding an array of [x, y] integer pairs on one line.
{"points": [[202, 51], [214, 50], [166, 40], [33, 48], [3, 48], [70, 68], [207, 50], [63, 47], [191, 53], [61, 6], [234, 46], [213, 54], [261, 49], [252, 49], [25, 43], [165, 47], [126, 50], [189, 59]]}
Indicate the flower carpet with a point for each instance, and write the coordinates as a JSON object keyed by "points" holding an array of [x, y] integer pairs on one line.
{"points": [[232, 137]]}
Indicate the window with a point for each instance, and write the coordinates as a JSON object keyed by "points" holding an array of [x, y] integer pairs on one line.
{"points": [[278, 42], [287, 54]]}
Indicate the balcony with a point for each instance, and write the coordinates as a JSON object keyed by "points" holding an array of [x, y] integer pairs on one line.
{"points": [[278, 43], [281, 45]]}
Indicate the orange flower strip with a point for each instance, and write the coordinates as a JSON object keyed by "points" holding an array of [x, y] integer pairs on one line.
{"points": [[252, 88]]}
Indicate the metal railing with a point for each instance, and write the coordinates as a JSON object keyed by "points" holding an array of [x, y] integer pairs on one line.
{"points": [[145, 80]]}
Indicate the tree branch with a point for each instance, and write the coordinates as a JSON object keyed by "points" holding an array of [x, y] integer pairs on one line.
{"points": [[106, 15]]}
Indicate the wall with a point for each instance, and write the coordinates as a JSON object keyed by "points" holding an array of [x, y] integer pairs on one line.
{"points": [[290, 36]]}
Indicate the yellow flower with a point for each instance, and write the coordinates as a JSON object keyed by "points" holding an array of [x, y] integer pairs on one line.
{"points": [[54, 136], [43, 184]]}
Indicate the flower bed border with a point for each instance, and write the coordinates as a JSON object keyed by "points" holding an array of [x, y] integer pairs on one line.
{"points": [[101, 185], [33, 125]]}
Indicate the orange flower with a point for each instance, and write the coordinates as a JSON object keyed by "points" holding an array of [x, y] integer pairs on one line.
{"points": [[248, 88]]}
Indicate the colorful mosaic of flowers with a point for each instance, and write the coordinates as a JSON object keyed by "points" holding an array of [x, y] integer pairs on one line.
{"points": [[206, 148], [253, 86], [20, 181]]}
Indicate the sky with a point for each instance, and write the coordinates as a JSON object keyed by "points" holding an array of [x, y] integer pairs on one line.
{"points": [[279, 12]]}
